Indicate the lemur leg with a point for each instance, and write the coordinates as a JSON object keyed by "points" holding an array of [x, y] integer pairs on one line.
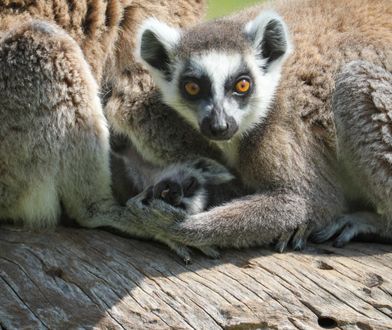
{"points": [[54, 137], [30, 131], [362, 105]]}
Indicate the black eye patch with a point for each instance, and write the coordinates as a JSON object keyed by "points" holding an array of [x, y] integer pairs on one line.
{"points": [[203, 82], [194, 74]]}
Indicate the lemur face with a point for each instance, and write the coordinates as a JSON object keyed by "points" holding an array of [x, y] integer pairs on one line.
{"points": [[215, 92], [220, 76]]}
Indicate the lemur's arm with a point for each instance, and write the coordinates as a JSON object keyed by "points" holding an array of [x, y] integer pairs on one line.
{"points": [[272, 216], [259, 219]]}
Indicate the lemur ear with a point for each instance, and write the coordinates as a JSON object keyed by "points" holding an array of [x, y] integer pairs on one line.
{"points": [[155, 45], [213, 172], [269, 35]]}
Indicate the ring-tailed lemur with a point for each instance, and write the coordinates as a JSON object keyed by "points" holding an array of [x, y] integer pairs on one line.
{"points": [[273, 118]]}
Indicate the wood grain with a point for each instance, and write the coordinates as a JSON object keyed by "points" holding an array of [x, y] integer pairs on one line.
{"points": [[74, 278]]}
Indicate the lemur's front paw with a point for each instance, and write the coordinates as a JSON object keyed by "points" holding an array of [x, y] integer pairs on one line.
{"points": [[155, 215], [185, 185], [161, 220]]}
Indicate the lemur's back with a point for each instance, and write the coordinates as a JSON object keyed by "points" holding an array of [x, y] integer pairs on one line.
{"points": [[326, 35], [105, 30]]}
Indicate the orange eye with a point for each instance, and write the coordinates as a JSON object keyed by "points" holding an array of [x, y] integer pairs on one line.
{"points": [[192, 88], [242, 86]]}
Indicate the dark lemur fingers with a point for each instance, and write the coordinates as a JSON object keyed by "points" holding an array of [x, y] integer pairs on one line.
{"points": [[301, 237], [350, 226], [185, 253], [296, 239], [325, 234], [283, 242], [181, 250], [210, 251]]}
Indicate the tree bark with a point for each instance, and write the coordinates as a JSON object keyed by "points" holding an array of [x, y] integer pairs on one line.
{"points": [[75, 278]]}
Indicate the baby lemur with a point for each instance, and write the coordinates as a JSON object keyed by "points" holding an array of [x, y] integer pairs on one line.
{"points": [[189, 185], [307, 129]]}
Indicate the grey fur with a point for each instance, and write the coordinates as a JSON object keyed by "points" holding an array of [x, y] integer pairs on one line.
{"points": [[213, 35]]}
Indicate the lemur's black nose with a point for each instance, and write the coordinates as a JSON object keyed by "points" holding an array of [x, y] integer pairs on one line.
{"points": [[219, 128]]}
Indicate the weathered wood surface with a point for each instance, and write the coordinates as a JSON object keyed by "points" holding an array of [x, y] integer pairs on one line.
{"points": [[82, 279]]}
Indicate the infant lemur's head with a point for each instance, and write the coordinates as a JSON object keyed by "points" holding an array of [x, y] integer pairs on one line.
{"points": [[220, 75]]}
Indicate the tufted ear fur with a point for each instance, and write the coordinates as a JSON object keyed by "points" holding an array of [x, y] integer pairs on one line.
{"points": [[155, 47], [269, 36]]}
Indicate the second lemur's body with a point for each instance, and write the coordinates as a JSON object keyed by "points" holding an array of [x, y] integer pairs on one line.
{"points": [[275, 120]]}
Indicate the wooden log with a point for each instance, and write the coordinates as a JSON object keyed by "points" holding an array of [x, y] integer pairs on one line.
{"points": [[74, 278]]}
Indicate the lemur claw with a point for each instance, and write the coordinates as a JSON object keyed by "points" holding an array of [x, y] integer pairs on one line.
{"points": [[210, 252], [297, 239], [301, 236], [282, 243]]}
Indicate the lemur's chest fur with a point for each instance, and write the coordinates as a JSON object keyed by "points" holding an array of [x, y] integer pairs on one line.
{"points": [[230, 150]]}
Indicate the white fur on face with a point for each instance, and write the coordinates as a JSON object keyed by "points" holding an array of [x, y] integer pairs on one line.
{"points": [[265, 85], [219, 67]]}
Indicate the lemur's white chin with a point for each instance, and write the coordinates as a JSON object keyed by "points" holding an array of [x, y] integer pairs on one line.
{"points": [[218, 139]]}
